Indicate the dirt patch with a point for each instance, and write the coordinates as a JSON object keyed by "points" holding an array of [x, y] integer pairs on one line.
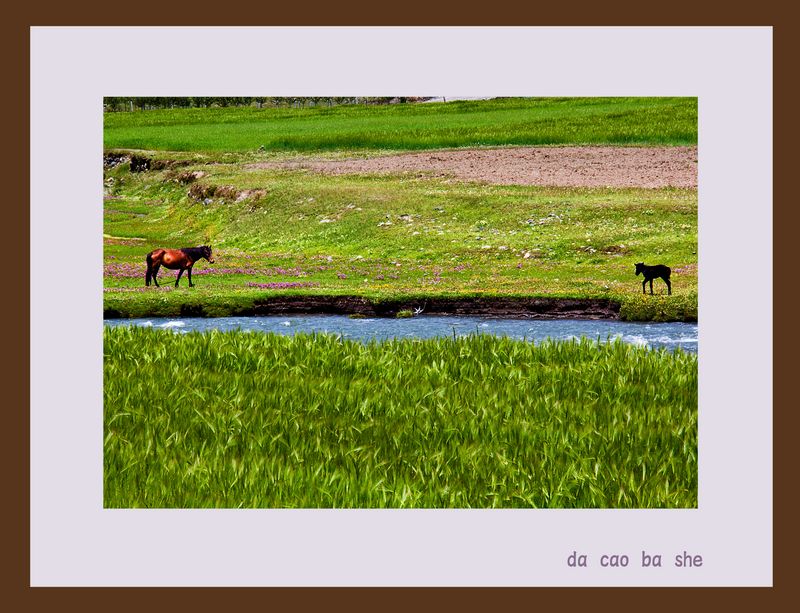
{"points": [[614, 250], [514, 307], [112, 160], [205, 192], [184, 178], [649, 167], [140, 163], [509, 307]]}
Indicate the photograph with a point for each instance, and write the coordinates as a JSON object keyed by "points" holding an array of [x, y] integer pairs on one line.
{"points": [[400, 302], [404, 308]]}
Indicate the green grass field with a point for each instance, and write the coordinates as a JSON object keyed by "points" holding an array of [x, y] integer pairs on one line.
{"points": [[509, 121], [390, 237], [239, 419]]}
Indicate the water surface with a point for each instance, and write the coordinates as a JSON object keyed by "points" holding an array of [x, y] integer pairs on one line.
{"points": [[655, 335]]}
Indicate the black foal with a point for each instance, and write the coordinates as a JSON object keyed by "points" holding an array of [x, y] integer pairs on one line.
{"points": [[654, 272]]}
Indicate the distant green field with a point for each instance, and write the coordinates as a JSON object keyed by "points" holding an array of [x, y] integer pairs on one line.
{"points": [[241, 419], [508, 121]]}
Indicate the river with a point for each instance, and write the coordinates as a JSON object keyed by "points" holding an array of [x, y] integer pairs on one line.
{"points": [[654, 335]]}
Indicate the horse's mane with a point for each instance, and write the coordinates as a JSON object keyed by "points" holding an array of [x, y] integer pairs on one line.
{"points": [[193, 252]]}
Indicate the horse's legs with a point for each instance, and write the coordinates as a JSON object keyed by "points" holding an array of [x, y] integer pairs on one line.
{"points": [[156, 268], [180, 272], [651, 287], [669, 285], [189, 271]]}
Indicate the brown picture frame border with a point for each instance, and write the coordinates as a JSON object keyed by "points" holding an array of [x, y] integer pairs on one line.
{"points": [[16, 370]]}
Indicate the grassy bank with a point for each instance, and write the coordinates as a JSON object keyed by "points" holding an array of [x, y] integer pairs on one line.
{"points": [[510, 121], [254, 420], [381, 237]]}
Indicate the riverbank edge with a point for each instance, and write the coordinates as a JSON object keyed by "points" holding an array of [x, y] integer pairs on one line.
{"points": [[506, 307]]}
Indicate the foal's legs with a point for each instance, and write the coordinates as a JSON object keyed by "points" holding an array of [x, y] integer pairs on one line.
{"points": [[189, 270], [669, 285], [155, 273], [180, 272], [644, 283], [651, 287]]}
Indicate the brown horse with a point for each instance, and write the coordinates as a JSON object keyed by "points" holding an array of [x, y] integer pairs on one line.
{"points": [[175, 259]]}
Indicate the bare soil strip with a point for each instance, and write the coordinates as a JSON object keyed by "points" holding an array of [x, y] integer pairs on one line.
{"points": [[591, 166], [510, 307]]}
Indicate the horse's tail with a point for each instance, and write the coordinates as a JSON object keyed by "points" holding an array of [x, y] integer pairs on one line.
{"points": [[149, 273]]}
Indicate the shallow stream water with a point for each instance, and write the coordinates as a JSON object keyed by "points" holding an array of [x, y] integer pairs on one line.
{"points": [[654, 335]]}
